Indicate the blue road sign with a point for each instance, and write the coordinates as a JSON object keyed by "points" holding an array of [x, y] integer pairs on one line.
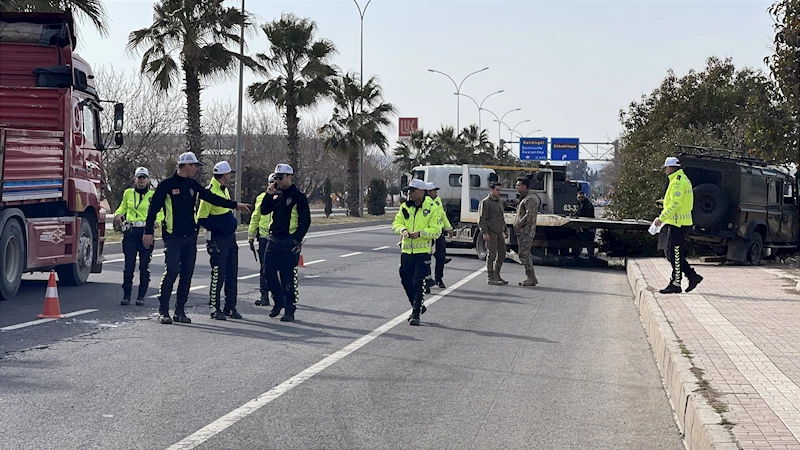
{"points": [[564, 149], [532, 149]]}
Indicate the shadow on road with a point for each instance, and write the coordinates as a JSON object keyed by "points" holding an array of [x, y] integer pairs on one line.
{"points": [[490, 333]]}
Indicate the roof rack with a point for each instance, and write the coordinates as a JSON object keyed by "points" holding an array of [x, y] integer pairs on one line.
{"points": [[720, 154]]}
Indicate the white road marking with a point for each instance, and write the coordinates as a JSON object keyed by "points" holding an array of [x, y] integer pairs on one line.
{"points": [[37, 322], [226, 421], [349, 254], [381, 248], [308, 236], [175, 292], [246, 277], [313, 262]]}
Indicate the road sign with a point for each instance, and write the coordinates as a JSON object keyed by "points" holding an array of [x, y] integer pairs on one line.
{"points": [[407, 125], [564, 149], [532, 149]]}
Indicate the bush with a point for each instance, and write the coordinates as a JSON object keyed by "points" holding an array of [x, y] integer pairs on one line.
{"points": [[376, 197]]}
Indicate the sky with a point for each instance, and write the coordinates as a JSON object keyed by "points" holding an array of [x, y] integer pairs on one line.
{"points": [[570, 65]]}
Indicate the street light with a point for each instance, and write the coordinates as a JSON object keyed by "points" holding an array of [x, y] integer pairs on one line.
{"points": [[458, 91], [237, 194], [361, 13], [500, 121], [515, 127], [480, 106], [530, 133]]}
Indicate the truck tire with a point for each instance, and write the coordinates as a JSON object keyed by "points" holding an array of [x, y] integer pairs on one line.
{"points": [[480, 248], [12, 257], [710, 205], [76, 274], [754, 249]]}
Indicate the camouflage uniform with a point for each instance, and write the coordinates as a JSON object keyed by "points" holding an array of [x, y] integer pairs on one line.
{"points": [[525, 227]]}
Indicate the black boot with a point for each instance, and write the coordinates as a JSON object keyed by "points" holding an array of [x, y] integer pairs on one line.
{"points": [[164, 317], [693, 282], [671, 289], [180, 316], [276, 311], [218, 315], [126, 300], [414, 320]]}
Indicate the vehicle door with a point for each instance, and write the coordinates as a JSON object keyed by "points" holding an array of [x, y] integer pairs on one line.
{"points": [[789, 220], [774, 209]]}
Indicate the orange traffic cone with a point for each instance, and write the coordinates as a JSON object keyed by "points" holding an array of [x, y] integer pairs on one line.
{"points": [[51, 309], [300, 263]]}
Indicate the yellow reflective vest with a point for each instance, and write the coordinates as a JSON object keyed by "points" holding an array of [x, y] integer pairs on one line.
{"points": [[678, 201], [259, 223], [445, 222], [134, 206], [426, 219]]}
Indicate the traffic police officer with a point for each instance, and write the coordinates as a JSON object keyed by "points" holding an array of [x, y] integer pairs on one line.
{"points": [[130, 216], [291, 218], [259, 230], [221, 244], [177, 196], [439, 247], [419, 223], [677, 219]]}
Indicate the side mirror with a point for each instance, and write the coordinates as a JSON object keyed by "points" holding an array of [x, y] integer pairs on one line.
{"points": [[403, 181], [119, 117]]}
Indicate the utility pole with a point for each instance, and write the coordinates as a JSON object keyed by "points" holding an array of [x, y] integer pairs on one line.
{"points": [[239, 142], [361, 13]]}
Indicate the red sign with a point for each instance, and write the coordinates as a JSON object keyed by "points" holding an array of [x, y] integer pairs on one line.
{"points": [[407, 126]]}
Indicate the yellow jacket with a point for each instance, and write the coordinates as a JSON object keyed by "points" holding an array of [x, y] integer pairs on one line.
{"points": [[445, 222], [259, 223], [134, 206], [678, 201], [426, 219]]}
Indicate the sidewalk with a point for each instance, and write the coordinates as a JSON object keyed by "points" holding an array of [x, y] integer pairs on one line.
{"points": [[729, 353]]}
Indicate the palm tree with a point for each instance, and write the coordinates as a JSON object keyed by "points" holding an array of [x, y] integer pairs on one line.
{"points": [[413, 152], [90, 9], [360, 117], [198, 33], [302, 70]]}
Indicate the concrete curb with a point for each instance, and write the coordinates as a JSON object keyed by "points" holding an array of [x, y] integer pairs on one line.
{"points": [[114, 248], [696, 419]]}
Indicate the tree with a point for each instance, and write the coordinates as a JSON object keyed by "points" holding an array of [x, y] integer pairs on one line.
{"points": [[470, 146], [197, 33], [360, 117], [785, 63], [89, 9], [376, 198], [302, 73]]}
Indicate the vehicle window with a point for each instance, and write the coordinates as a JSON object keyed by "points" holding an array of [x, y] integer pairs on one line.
{"points": [[475, 180], [419, 174], [454, 180], [89, 128], [775, 189]]}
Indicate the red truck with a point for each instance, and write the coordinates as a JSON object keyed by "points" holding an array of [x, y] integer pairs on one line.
{"points": [[50, 153]]}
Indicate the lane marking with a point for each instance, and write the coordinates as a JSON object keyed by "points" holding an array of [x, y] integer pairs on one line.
{"points": [[204, 434], [381, 248], [316, 234], [37, 322], [349, 254], [313, 262], [175, 292], [246, 277]]}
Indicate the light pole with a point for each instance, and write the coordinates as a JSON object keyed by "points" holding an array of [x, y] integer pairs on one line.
{"points": [[458, 91], [239, 143], [515, 127], [480, 106], [361, 13], [530, 133], [500, 121]]}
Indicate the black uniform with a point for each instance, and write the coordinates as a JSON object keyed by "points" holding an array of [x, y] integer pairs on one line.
{"points": [[291, 218], [177, 196]]}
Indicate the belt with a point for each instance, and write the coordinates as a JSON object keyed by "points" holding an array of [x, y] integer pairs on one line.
{"points": [[137, 224]]}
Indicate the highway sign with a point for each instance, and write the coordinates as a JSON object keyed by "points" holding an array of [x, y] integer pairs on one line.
{"points": [[564, 149], [533, 149]]}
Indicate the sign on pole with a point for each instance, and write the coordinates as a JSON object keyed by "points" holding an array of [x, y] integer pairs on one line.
{"points": [[406, 126], [564, 149], [532, 149]]}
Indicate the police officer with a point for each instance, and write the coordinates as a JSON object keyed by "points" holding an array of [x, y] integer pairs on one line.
{"points": [[291, 218], [177, 196], [525, 228], [439, 247], [419, 224], [259, 230], [677, 219], [130, 216], [221, 244]]}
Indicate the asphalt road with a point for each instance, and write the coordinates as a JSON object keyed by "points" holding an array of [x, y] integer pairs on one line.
{"points": [[564, 365]]}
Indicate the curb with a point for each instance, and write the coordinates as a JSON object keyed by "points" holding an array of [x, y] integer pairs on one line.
{"points": [[114, 248], [696, 419]]}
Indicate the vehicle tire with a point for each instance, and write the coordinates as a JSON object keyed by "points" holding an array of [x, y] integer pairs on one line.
{"points": [[12, 259], [710, 205], [76, 274], [754, 249], [480, 248]]}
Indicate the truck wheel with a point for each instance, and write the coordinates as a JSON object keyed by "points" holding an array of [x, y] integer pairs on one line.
{"points": [[710, 205], [480, 248], [76, 274], [12, 257], [754, 249]]}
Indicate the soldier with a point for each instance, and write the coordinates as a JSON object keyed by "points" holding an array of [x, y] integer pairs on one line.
{"points": [[493, 230], [221, 245], [419, 224], [259, 230], [525, 227], [677, 219], [130, 217]]}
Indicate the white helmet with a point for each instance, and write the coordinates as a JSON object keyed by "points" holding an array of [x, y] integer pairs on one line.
{"points": [[271, 178]]}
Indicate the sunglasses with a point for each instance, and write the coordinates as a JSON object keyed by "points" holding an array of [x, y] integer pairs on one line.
{"points": [[280, 176], [141, 176]]}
